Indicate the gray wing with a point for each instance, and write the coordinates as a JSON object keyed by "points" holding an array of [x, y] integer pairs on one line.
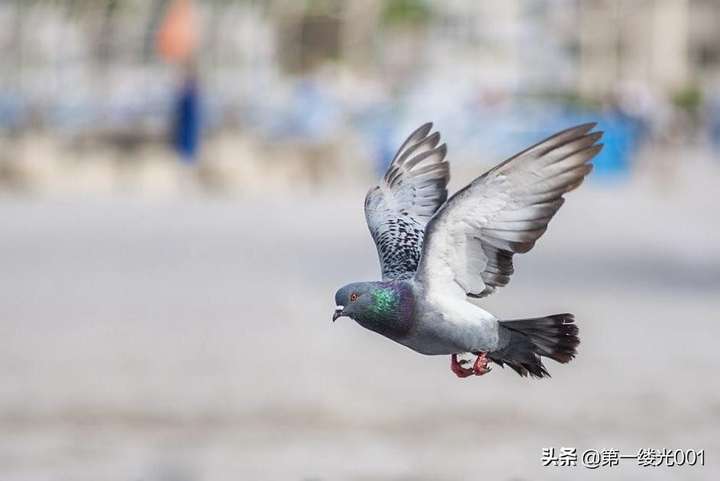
{"points": [[397, 210], [470, 242]]}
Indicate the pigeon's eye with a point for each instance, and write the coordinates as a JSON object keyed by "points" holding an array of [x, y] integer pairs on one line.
{"points": [[353, 297]]}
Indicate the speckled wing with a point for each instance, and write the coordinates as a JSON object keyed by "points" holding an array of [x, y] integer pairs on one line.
{"points": [[470, 242], [397, 210]]}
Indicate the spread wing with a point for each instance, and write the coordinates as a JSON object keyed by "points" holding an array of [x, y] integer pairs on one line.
{"points": [[397, 210], [470, 242]]}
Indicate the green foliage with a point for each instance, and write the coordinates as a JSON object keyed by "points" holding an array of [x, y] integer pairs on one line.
{"points": [[323, 7], [688, 99], [406, 12]]}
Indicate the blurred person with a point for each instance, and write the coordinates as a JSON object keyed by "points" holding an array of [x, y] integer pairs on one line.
{"points": [[177, 43], [186, 126]]}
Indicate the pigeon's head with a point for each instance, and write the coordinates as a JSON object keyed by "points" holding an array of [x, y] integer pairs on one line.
{"points": [[363, 301], [383, 307], [353, 300]]}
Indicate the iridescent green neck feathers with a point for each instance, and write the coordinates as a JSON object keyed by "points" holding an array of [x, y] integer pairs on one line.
{"points": [[384, 300]]}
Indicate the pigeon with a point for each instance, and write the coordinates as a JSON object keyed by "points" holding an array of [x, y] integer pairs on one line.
{"points": [[438, 256]]}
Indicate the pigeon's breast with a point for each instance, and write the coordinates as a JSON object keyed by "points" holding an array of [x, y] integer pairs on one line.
{"points": [[448, 325]]}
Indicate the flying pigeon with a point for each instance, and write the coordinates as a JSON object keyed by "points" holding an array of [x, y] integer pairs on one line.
{"points": [[438, 255]]}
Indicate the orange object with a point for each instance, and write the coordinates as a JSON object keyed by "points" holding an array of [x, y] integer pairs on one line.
{"points": [[177, 35]]}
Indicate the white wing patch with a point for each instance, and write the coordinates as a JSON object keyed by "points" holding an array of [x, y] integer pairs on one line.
{"points": [[471, 240]]}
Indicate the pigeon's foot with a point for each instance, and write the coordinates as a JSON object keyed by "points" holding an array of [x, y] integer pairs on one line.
{"points": [[458, 368], [481, 365]]}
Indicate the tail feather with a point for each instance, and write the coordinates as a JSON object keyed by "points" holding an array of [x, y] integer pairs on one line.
{"points": [[554, 336]]}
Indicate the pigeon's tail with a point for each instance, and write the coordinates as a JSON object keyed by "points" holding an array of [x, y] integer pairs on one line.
{"points": [[554, 336]]}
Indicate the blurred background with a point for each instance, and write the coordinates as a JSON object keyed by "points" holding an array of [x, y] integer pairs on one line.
{"points": [[181, 189]]}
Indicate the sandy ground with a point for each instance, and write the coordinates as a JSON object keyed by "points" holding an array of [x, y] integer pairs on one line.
{"points": [[190, 339]]}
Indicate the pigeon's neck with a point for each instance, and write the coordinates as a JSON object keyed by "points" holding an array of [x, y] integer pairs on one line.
{"points": [[391, 311]]}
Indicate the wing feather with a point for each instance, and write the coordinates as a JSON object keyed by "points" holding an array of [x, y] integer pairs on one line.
{"points": [[472, 238], [398, 209]]}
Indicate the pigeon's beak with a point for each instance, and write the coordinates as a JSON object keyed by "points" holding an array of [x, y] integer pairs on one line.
{"points": [[338, 312]]}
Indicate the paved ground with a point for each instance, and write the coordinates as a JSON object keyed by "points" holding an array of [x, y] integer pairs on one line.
{"points": [[185, 340]]}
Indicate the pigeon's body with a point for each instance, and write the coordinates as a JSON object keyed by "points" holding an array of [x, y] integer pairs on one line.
{"points": [[437, 253], [446, 325], [430, 325]]}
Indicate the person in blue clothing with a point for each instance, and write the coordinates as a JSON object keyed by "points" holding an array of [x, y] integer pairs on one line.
{"points": [[186, 129]]}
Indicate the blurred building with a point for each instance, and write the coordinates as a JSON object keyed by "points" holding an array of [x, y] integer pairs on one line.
{"points": [[315, 71]]}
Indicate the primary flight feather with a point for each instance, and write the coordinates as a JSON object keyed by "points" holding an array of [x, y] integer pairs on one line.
{"points": [[435, 253]]}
